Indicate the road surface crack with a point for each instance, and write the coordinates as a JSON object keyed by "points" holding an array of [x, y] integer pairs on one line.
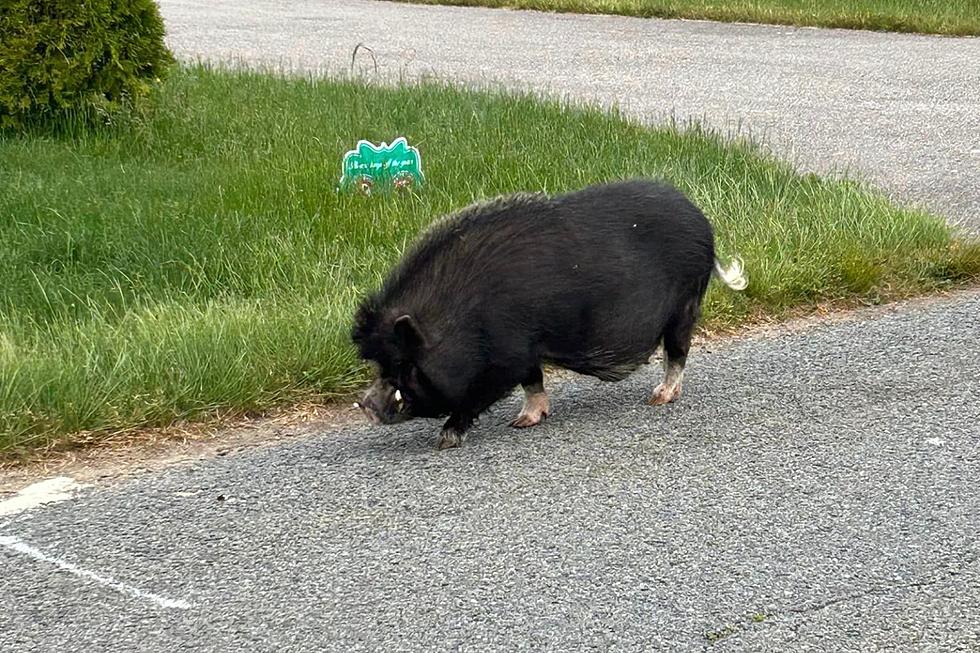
{"points": [[756, 620]]}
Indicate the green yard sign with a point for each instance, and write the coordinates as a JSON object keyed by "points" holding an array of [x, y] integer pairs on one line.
{"points": [[369, 167]]}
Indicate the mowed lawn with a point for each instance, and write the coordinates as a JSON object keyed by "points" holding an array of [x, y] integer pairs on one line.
{"points": [[956, 17], [197, 259]]}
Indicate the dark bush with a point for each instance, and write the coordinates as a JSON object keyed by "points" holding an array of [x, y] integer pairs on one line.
{"points": [[82, 57]]}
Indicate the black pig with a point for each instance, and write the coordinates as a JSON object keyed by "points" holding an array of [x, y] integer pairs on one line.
{"points": [[591, 281]]}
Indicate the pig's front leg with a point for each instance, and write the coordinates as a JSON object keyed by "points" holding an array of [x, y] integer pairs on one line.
{"points": [[461, 419], [492, 387], [454, 430]]}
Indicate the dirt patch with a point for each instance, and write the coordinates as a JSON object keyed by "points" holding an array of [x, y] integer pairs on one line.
{"points": [[136, 452]]}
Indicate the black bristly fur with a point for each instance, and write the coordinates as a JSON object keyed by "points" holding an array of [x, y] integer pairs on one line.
{"points": [[589, 281]]}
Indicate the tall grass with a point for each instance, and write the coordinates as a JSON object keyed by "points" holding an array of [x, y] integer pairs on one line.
{"points": [[198, 257], [956, 17]]}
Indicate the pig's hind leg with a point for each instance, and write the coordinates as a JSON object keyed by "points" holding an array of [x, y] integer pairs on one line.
{"points": [[677, 344], [536, 404]]}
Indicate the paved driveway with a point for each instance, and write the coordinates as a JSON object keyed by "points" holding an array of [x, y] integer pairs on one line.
{"points": [[898, 109]]}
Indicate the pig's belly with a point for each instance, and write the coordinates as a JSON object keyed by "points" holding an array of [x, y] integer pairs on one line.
{"points": [[604, 344], [603, 363]]}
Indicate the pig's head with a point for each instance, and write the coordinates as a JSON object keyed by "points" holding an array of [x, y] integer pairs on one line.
{"points": [[383, 403], [396, 348]]}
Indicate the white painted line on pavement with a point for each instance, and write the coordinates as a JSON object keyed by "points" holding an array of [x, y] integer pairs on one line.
{"points": [[18, 545], [53, 490]]}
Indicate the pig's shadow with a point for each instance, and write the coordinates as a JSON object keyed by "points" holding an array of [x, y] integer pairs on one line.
{"points": [[582, 404]]}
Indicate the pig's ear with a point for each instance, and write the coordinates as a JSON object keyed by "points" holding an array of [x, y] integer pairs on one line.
{"points": [[410, 338]]}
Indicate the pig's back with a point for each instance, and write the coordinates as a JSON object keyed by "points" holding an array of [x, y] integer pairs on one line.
{"points": [[585, 280]]}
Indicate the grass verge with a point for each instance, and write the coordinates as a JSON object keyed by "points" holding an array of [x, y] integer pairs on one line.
{"points": [[197, 260], [955, 18]]}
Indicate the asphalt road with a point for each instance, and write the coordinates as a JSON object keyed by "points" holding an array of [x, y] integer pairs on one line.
{"points": [[900, 110], [813, 490]]}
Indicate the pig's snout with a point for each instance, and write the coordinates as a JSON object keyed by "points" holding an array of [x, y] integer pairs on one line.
{"points": [[383, 404]]}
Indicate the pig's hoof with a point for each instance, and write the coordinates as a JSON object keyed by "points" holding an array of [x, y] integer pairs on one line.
{"points": [[449, 439], [534, 411], [664, 394], [524, 420], [529, 418]]}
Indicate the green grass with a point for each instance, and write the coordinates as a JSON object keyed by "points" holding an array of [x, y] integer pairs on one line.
{"points": [[956, 17], [197, 258]]}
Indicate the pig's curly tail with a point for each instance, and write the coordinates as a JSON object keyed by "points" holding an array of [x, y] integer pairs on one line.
{"points": [[732, 276]]}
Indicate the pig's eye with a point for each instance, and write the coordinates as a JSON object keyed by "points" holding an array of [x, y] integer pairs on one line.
{"points": [[409, 390], [422, 387], [412, 382]]}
